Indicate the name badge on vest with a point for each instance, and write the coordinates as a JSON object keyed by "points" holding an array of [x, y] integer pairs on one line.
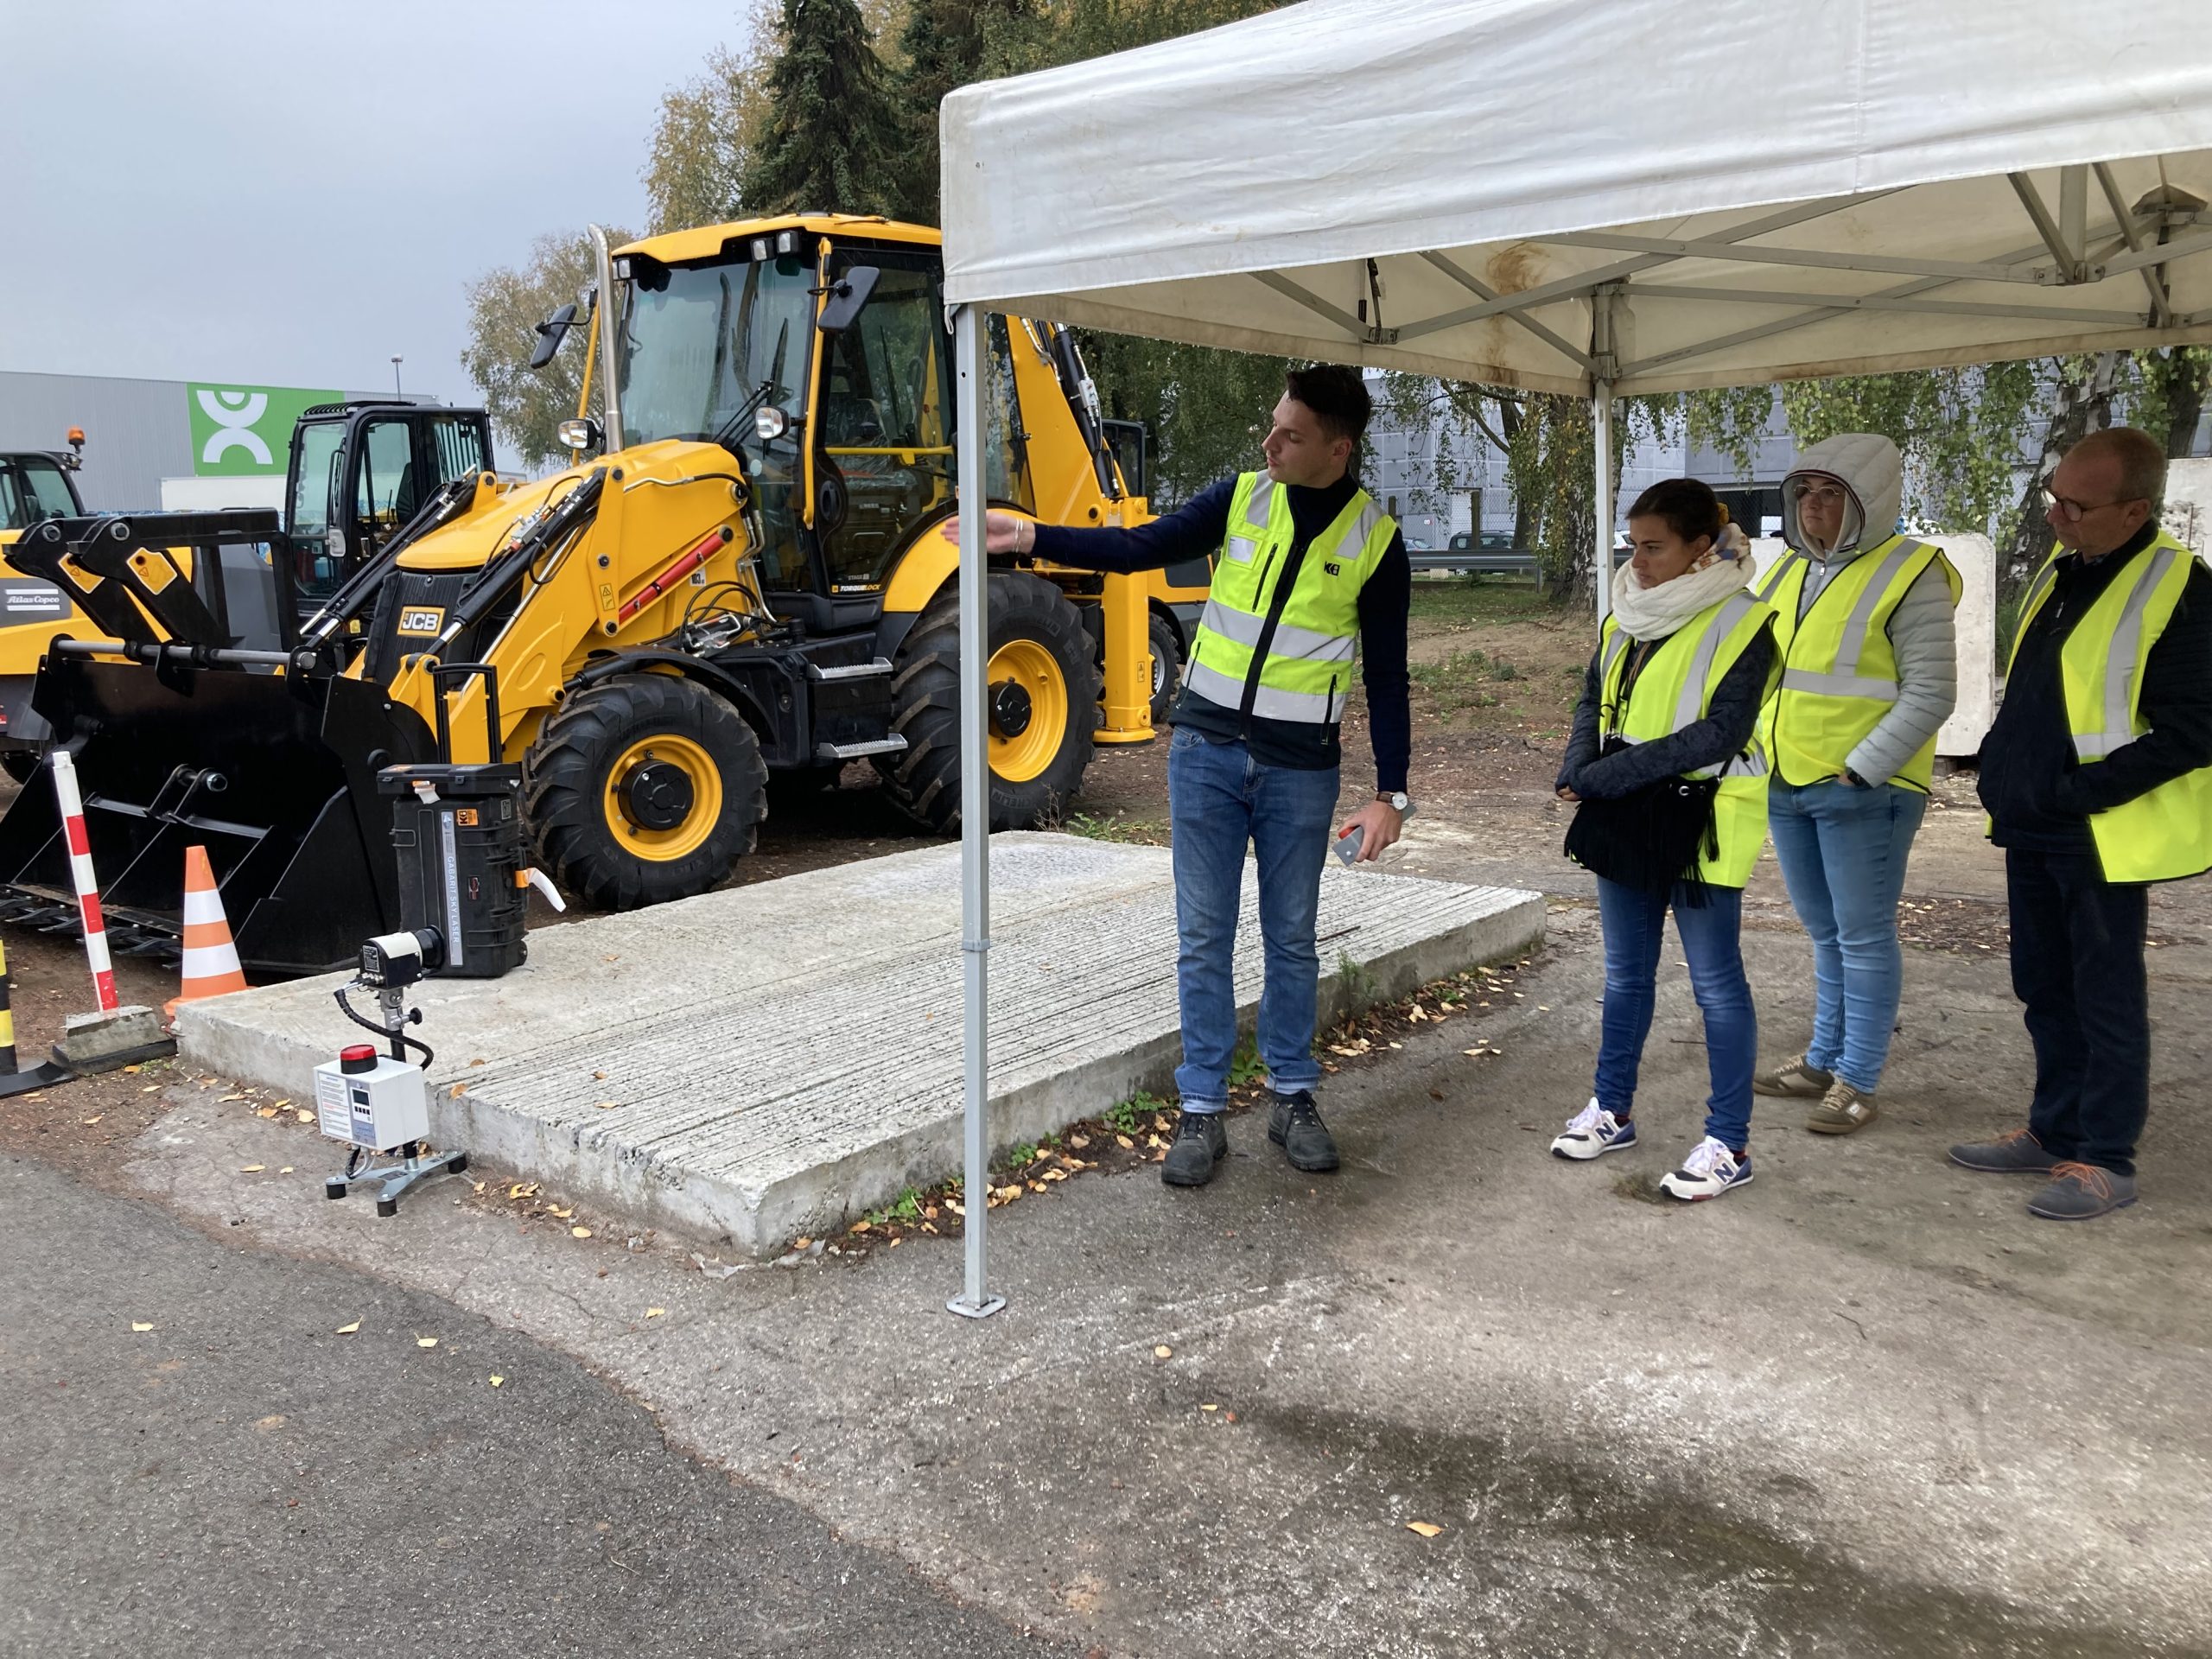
{"points": [[1242, 548]]}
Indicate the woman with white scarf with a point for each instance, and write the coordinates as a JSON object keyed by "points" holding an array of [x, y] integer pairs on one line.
{"points": [[1673, 693]]}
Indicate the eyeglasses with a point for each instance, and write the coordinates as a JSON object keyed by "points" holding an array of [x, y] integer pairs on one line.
{"points": [[2075, 511], [1822, 495]]}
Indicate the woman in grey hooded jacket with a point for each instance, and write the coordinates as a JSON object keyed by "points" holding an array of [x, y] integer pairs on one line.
{"points": [[1869, 671]]}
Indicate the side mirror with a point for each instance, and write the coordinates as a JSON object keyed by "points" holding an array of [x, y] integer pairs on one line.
{"points": [[847, 295], [580, 433], [550, 333]]}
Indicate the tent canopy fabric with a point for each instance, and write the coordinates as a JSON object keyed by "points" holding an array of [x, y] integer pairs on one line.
{"points": [[1659, 195]]}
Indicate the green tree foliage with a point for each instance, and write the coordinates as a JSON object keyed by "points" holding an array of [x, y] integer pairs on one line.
{"points": [[505, 307], [832, 137], [705, 136], [948, 44]]}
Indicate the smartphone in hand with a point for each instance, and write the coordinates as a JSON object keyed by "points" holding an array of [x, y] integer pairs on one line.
{"points": [[1348, 846]]}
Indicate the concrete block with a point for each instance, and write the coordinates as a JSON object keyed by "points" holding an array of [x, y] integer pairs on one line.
{"points": [[104, 1042], [773, 1059]]}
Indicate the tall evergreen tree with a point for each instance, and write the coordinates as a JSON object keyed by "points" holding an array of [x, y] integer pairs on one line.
{"points": [[831, 130], [948, 43]]}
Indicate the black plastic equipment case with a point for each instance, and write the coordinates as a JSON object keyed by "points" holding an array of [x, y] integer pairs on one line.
{"points": [[458, 832]]}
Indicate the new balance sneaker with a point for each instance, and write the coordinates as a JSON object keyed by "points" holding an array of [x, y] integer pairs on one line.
{"points": [[2012, 1152], [1710, 1170], [1794, 1079], [1842, 1111], [2081, 1192], [1294, 1124], [1591, 1133], [1199, 1144]]}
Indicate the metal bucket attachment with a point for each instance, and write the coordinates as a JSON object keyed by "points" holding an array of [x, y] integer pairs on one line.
{"points": [[276, 775]]}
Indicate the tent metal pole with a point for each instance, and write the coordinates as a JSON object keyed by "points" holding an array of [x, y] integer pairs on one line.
{"points": [[975, 1300], [1601, 408]]}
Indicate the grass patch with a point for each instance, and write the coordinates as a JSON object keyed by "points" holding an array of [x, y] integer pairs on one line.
{"points": [[1464, 601], [1460, 682], [1126, 1117], [1117, 826]]}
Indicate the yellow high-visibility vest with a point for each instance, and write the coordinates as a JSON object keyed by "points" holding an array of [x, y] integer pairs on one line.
{"points": [[1306, 675], [1839, 669], [1674, 689], [2166, 834]]}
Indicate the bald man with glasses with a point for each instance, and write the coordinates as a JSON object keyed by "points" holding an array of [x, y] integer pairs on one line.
{"points": [[2097, 778]]}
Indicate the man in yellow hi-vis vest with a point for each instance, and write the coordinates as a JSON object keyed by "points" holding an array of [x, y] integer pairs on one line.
{"points": [[1308, 574], [2097, 778]]}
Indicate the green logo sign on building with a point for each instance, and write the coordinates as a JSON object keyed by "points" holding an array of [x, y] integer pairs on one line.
{"points": [[238, 429]]}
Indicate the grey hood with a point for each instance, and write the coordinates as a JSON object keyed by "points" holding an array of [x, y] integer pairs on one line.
{"points": [[1870, 468]]}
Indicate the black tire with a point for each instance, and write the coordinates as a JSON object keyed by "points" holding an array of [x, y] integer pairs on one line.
{"points": [[579, 817], [925, 779], [22, 765], [1166, 666]]}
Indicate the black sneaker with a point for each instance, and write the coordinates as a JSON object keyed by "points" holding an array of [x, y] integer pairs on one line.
{"points": [[1200, 1145], [1295, 1125]]}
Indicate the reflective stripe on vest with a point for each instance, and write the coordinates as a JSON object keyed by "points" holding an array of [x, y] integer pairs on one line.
{"points": [[1839, 672], [1305, 673], [2167, 833], [1680, 677]]}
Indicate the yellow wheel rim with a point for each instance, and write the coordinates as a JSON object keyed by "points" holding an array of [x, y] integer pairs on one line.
{"points": [[645, 800], [1029, 710]]}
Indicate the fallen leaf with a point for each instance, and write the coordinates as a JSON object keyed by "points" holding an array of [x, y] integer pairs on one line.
{"points": [[655, 1312], [453, 1093], [226, 1100], [251, 1169], [347, 1330], [560, 1215], [281, 1104], [496, 1379], [1426, 1529], [1078, 1142], [896, 1243], [91, 1121], [151, 1088], [955, 1207], [523, 1189], [138, 1325], [304, 1116], [1125, 1143], [285, 1171], [579, 1232], [479, 1061], [862, 1224], [426, 1342], [598, 1076], [269, 1424], [606, 1105], [130, 1068], [1008, 1194], [1208, 1407], [1163, 1352], [258, 1111], [476, 1186], [802, 1242]]}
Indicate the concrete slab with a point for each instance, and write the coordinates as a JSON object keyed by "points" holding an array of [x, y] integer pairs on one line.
{"points": [[771, 1061]]}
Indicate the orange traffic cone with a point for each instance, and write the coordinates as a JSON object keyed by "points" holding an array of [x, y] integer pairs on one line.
{"points": [[211, 958]]}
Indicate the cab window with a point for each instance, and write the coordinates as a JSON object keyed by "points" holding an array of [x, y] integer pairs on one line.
{"points": [[389, 493], [46, 488]]}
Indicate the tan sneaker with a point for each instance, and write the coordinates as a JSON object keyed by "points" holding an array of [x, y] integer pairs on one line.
{"points": [[1794, 1080], [1842, 1111]]}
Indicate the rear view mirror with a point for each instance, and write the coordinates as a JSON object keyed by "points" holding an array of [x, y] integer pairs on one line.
{"points": [[550, 333], [847, 295]]}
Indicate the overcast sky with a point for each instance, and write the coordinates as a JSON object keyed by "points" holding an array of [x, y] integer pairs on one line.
{"points": [[290, 192]]}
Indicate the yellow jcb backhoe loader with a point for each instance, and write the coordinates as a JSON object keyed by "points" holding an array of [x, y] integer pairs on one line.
{"points": [[740, 577]]}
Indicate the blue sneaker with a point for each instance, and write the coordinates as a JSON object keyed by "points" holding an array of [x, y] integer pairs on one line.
{"points": [[1591, 1133], [1710, 1170]]}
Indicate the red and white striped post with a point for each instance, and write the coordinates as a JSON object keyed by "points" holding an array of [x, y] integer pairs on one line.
{"points": [[80, 874]]}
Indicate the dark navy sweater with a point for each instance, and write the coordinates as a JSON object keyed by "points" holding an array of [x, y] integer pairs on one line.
{"points": [[1197, 529]]}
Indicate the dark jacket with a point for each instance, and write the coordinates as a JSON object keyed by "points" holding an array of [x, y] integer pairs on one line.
{"points": [[2038, 797], [1725, 731], [1197, 529]]}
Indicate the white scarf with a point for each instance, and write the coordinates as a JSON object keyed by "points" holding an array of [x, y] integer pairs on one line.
{"points": [[1649, 613]]}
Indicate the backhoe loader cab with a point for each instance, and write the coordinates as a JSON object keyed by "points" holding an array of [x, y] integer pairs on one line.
{"points": [[360, 471]]}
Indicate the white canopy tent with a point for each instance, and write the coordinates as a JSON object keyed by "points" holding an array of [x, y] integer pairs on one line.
{"points": [[1594, 197]]}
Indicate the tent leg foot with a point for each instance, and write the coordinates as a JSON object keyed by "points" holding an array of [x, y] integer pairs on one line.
{"points": [[968, 1310]]}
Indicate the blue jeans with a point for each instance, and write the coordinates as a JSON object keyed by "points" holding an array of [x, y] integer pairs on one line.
{"points": [[1635, 927], [1219, 799], [1843, 852]]}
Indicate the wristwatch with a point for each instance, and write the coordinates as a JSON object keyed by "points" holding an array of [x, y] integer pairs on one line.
{"points": [[1397, 799]]}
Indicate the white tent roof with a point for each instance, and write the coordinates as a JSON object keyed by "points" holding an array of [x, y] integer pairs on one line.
{"points": [[1663, 193]]}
